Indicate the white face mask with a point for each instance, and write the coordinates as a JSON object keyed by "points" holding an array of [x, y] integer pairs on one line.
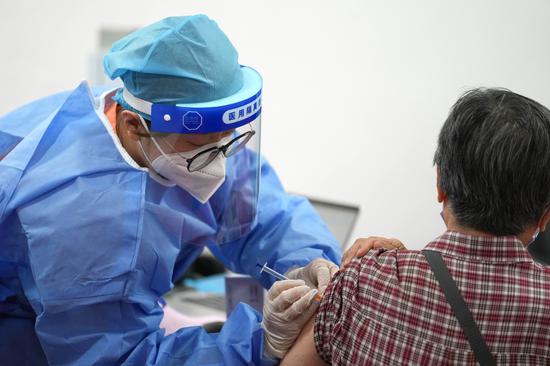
{"points": [[171, 169], [201, 184]]}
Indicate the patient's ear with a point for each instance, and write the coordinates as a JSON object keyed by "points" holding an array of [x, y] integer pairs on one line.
{"points": [[441, 196], [544, 219]]}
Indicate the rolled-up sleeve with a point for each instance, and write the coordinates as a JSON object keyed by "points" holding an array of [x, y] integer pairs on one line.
{"points": [[335, 303], [349, 295]]}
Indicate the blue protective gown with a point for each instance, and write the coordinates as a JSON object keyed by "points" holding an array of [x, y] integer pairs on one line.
{"points": [[89, 243]]}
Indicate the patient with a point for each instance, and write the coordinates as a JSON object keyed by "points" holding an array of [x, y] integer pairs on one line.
{"points": [[385, 307]]}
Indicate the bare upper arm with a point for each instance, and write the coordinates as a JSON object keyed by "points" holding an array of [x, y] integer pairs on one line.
{"points": [[303, 351]]}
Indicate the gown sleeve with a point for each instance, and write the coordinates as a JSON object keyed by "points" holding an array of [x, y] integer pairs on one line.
{"points": [[289, 232], [127, 333]]}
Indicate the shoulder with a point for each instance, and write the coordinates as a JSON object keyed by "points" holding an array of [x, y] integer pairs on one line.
{"points": [[381, 263], [22, 120], [380, 271]]}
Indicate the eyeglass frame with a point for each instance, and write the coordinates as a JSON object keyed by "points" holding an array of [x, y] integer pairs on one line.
{"points": [[222, 149]]}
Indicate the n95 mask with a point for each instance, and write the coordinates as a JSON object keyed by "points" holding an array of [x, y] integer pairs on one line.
{"points": [[171, 169], [201, 184]]}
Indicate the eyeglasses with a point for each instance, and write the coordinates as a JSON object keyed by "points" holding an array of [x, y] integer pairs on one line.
{"points": [[207, 156]]}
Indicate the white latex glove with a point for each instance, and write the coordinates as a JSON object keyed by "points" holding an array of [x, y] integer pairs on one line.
{"points": [[289, 305], [316, 274]]}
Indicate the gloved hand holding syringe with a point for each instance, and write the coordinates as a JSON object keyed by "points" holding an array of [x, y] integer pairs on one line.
{"points": [[291, 302], [279, 276]]}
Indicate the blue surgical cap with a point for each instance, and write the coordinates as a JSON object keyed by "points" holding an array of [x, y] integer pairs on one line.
{"points": [[185, 59]]}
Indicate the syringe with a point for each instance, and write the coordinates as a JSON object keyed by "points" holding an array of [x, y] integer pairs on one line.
{"points": [[279, 276], [271, 271]]}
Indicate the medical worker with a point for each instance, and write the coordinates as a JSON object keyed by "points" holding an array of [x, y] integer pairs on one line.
{"points": [[108, 196]]}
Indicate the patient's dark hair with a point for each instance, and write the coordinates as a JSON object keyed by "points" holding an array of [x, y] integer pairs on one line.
{"points": [[493, 157]]}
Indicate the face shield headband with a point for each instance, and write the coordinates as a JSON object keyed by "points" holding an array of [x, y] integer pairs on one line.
{"points": [[224, 114]]}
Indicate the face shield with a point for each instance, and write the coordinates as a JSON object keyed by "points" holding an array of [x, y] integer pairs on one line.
{"points": [[212, 152]]}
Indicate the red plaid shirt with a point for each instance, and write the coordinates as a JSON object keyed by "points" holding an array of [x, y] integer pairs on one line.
{"points": [[387, 308]]}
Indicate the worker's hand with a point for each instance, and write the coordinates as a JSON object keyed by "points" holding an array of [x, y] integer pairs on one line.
{"points": [[289, 305], [316, 274], [363, 245]]}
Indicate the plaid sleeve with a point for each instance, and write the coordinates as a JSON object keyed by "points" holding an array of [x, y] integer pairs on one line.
{"points": [[351, 290], [335, 302]]}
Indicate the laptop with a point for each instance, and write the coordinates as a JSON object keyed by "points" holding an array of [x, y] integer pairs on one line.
{"points": [[340, 218]]}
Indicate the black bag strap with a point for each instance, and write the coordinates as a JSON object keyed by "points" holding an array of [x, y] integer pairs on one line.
{"points": [[460, 308]]}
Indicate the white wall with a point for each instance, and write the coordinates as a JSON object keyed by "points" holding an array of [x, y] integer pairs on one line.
{"points": [[355, 91]]}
